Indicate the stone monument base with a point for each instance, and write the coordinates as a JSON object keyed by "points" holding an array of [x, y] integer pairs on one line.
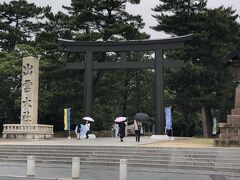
{"points": [[226, 143], [161, 137], [229, 135], [31, 131], [92, 136]]}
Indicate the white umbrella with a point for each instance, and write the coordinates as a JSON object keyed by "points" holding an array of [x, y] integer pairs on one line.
{"points": [[88, 119], [120, 119]]}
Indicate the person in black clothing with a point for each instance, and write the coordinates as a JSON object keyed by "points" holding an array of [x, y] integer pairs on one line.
{"points": [[122, 127], [77, 130], [87, 126]]}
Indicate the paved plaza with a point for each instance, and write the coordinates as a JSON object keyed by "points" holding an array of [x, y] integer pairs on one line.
{"points": [[103, 141], [110, 141]]}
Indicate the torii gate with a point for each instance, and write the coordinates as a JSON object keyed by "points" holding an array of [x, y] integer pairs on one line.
{"points": [[158, 64]]}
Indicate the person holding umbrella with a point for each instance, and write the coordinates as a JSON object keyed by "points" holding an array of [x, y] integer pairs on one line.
{"points": [[122, 126], [139, 118], [87, 125]]}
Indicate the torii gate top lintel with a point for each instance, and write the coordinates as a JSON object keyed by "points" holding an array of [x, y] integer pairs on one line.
{"points": [[118, 46]]}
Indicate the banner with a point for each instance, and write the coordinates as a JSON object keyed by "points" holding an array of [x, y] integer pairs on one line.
{"points": [[67, 119], [168, 116]]}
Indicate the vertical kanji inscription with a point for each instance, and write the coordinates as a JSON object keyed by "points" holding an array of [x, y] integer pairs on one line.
{"points": [[29, 100]]}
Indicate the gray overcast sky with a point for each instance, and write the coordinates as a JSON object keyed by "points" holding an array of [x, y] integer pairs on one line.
{"points": [[143, 9]]}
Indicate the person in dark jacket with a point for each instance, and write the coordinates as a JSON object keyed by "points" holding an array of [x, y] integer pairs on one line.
{"points": [[77, 130], [122, 127]]}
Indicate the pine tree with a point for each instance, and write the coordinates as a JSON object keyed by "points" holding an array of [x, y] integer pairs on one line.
{"points": [[178, 17], [19, 22], [108, 19]]}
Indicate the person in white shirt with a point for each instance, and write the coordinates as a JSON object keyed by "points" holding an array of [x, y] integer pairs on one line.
{"points": [[137, 127], [114, 130], [117, 130]]}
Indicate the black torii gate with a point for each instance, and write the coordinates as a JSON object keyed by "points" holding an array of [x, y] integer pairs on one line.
{"points": [[158, 46]]}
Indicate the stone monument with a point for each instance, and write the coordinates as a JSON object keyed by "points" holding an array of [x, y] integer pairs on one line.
{"points": [[29, 127], [230, 132]]}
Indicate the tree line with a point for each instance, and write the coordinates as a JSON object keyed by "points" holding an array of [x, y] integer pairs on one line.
{"points": [[197, 92]]}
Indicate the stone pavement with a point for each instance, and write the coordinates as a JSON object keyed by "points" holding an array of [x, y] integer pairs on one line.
{"points": [[110, 141], [103, 141]]}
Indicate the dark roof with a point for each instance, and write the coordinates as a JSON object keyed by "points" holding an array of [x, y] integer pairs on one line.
{"points": [[146, 44]]}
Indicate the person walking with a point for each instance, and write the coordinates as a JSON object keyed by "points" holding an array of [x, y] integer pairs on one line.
{"points": [[117, 130], [122, 127], [77, 131], [87, 126], [137, 127], [114, 130]]}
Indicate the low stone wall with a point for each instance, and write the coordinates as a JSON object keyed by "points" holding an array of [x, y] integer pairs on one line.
{"points": [[33, 131]]}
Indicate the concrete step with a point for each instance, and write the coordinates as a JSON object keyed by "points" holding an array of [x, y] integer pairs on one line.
{"points": [[197, 154], [139, 153], [113, 156], [214, 152], [150, 160], [120, 156], [135, 151], [125, 156], [109, 149], [120, 153], [112, 148]]}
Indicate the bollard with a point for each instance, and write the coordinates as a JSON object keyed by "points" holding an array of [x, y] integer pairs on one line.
{"points": [[75, 168], [123, 169], [30, 166]]}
